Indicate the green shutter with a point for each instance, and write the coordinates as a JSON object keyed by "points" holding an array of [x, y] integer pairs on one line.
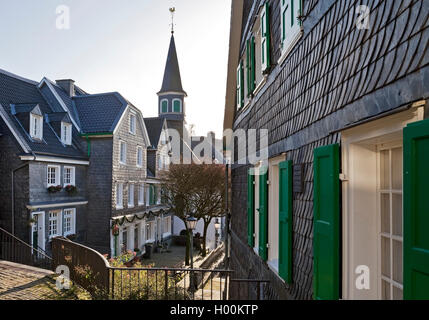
{"points": [[250, 208], [252, 65], [248, 68], [263, 213], [151, 195], [326, 223], [266, 39], [240, 86], [299, 11], [285, 220], [416, 211]]}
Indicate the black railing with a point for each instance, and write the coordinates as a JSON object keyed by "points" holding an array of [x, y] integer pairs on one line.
{"points": [[168, 284], [15, 250]]}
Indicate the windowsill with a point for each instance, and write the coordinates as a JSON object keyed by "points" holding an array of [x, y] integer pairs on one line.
{"points": [[141, 204], [150, 241], [130, 206], [166, 235], [123, 163], [260, 85], [274, 265], [119, 208], [69, 234], [286, 53], [256, 250], [139, 166]]}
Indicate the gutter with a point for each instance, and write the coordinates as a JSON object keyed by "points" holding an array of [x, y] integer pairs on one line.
{"points": [[13, 190]]}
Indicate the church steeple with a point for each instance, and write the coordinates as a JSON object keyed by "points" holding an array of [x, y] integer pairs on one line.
{"points": [[172, 96], [172, 81]]}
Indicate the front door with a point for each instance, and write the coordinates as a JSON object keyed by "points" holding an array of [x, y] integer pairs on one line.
{"points": [[38, 231]]}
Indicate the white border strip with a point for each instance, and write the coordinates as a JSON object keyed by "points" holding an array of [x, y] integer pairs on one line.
{"points": [[54, 160], [57, 205]]}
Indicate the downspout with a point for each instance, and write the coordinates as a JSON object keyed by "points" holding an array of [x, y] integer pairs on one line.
{"points": [[13, 190], [88, 143]]}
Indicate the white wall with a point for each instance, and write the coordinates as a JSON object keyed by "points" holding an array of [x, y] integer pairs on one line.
{"points": [[178, 226]]}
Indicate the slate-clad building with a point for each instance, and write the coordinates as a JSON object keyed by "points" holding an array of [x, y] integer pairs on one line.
{"points": [[342, 194], [75, 165]]}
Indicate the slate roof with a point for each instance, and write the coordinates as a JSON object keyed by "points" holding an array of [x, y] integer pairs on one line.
{"points": [[172, 80], [154, 128], [99, 113], [24, 93]]}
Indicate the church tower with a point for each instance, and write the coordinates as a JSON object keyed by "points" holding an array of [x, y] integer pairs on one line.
{"points": [[171, 97]]}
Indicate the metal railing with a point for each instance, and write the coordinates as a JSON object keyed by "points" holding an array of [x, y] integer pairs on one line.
{"points": [[168, 284], [92, 271], [15, 250]]}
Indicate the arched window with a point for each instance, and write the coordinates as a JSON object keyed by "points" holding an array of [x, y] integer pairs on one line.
{"points": [[164, 106], [177, 105]]}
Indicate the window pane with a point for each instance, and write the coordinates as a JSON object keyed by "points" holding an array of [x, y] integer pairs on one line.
{"points": [[384, 170], [397, 214], [385, 213], [397, 261], [176, 106], [397, 294], [385, 256], [385, 290], [397, 169]]}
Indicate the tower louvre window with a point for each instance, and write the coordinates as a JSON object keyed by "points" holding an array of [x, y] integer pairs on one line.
{"points": [[177, 106], [164, 106]]}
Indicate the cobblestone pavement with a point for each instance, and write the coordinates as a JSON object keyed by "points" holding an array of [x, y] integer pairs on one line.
{"points": [[19, 282]]}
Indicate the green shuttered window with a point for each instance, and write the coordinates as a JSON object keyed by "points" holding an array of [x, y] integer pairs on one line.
{"points": [[250, 66], [266, 38], [250, 209], [285, 220], [164, 106], [263, 213], [240, 86], [416, 211], [326, 223]]}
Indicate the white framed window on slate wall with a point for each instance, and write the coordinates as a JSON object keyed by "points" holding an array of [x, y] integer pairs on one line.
{"points": [[36, 126], [123, 152], [53, 176], [54, 224], [139, 157], [132, 123], [131, 196], [291, 26], [69, 218], [141, 195], [69, 176], [120, 196], [66, 133]]}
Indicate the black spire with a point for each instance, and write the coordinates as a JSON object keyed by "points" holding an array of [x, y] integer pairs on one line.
{"points": [[172, 81]]}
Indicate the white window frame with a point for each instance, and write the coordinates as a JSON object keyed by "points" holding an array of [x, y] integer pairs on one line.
{"points": [[72, 176], [139, 157], [133, 123], [292, 33], [131, 191], [151, 225], [72, 213], [36, 126], [166, 221], [180, 103], [57, 176], [122, 152], [66, 133], [141, 195], [273, 212], [119, 195], [59, 224]]}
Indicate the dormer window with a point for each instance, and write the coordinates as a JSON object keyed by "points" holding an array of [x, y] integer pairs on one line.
{"points": [[36, 126], [66, 133]]}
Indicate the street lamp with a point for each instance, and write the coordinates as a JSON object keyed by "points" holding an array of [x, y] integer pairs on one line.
{"points": [[191, 224], [217, 228]]}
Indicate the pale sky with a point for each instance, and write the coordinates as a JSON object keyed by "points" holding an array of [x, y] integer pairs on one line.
{"points": [[122, 45]]}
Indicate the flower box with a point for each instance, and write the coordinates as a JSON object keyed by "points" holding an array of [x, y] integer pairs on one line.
{"points": [[54, 189]]}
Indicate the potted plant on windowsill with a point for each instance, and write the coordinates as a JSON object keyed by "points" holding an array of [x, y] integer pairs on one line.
{"points": [[71, 189], [54, 189], [71, 237]]}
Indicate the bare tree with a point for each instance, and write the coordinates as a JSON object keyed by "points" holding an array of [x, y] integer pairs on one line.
{"points": [[198, 190]]}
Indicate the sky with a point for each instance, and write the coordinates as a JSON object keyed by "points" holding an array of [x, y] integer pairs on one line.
{"points": [[122, 46]]}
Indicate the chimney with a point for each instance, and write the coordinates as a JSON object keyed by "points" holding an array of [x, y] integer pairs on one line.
{"points": [[67, 85]]}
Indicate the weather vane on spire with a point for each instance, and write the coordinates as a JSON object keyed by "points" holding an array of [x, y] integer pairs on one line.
{"points": [[172, 11]]}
